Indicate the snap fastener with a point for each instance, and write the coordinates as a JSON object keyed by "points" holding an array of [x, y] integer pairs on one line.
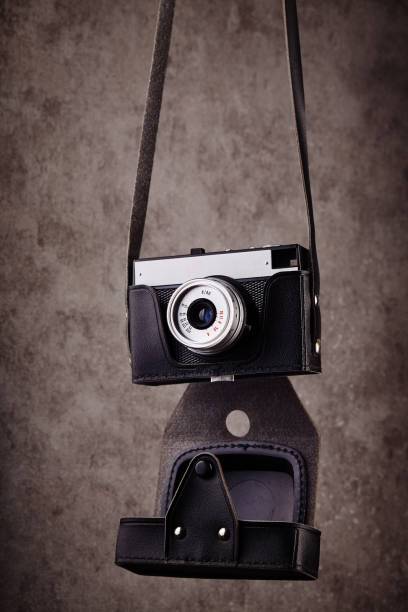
{"points": [[180, 533], [203, 469], [223, 534]]}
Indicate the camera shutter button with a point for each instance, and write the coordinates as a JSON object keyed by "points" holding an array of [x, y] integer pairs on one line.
{"points": [[197, 251]]}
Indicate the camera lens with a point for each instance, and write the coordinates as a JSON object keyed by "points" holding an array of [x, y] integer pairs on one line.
{"points": [[207, 315], [201, 313]]}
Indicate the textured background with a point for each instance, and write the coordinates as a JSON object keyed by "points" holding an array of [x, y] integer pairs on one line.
{"points": [[80, 444]]}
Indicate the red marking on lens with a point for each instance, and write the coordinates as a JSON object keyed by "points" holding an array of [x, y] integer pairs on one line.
{"points": [[215, 328]]}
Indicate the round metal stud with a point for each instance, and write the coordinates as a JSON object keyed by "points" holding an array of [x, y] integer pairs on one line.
{"points": [[180, 533], [316, 300], [223, 534], [317, 347], [203, 469]]}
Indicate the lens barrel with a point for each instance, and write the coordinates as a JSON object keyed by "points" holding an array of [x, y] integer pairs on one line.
{"points": [[207, 315]]}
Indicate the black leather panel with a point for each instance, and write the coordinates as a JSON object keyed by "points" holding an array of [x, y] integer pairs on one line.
{"points": [[284, 330], [141, 538], [201, 507], [265, 481], [267, 550], [259, 542], [148, 347]]}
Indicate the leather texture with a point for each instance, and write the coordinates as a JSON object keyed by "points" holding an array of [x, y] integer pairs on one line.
{"points": [[270, 551], [278, 426], [201, 507], [149, 131], [284, 347], [273, 474]]}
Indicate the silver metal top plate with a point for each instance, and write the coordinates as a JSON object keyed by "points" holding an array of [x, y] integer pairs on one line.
{"points": [[177, 270]]}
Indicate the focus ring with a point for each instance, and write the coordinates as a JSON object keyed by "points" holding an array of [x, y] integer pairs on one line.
{"points": [[228, 323]]}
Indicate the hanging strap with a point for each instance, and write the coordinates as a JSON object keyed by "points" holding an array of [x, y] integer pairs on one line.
{"points": [[298, 98], [149, 130], [151, 122]]}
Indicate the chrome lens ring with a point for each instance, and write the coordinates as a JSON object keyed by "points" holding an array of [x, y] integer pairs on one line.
{"points": [[229, 321]]}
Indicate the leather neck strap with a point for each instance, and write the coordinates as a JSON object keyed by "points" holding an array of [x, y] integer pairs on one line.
{"points": [[151, 122]]}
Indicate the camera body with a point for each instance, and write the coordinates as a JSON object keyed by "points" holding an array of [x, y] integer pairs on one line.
{"points": [[220, 316]]}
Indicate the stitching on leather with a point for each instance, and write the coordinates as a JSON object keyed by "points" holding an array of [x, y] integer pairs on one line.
{"points": [[203, 373], [296, 455], [231, 512], [204, 560], [149, 291], [124, 559], [226, 562]]}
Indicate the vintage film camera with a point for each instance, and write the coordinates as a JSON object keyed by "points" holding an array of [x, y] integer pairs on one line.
{"points": [[221, 316]]}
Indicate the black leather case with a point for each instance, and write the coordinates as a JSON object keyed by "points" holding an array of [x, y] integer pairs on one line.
{"points": [[279, 343], [228, 506]]}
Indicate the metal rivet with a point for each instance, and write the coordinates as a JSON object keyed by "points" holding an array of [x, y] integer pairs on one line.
{"points": [[203, 469], [316, 300], [317, 347], [223, 534], [180, 533]]}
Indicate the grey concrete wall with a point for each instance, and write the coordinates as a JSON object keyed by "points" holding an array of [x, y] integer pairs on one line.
{"points": [[80, 444]]}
